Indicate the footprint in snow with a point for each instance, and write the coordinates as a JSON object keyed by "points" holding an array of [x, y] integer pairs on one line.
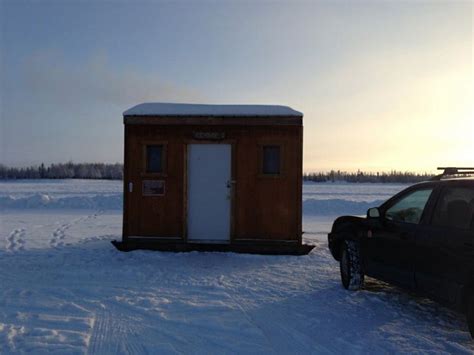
{"points": [[16, 241]]}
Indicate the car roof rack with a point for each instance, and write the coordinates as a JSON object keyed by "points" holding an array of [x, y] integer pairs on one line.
{"points": [[453, 171]]}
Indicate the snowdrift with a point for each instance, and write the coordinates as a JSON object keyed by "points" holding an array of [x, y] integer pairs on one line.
{"points": [[327, 207], [104, 202], [333, 207]]}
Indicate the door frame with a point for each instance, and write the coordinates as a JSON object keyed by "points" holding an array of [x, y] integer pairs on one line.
{"points": [[233, 195]]}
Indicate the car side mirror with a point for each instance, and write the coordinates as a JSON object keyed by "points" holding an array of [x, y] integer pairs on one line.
{"points": [[373, 213]]}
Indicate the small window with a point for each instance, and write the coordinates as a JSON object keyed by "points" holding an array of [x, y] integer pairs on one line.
{"points": [[410, 208], [154, 158], [271, 160], [455, 208]]}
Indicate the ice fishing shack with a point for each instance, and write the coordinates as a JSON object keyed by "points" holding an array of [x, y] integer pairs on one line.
{"points": [[213, 177]]}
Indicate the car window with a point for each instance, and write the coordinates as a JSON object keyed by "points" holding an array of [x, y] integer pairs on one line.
{"points": [[455, 208], [410, 208]]}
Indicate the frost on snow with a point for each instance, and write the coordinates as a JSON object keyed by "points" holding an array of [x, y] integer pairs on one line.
{"points": [[65, 289]]}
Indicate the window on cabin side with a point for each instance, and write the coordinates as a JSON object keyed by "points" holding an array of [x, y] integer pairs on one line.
{"points": [[271, 160], [154, 158]]}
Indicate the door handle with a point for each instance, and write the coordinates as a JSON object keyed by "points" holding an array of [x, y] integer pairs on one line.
{"points": [[230, 186]]}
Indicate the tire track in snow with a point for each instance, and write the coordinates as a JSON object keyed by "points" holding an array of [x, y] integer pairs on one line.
{"points": [[44, 330], [114, 334], [15, 241], [221, 282]]}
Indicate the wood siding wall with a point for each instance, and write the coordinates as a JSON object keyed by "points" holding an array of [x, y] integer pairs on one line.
{"points": [[264, 207]]}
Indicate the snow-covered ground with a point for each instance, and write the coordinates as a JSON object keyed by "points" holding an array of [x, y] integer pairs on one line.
{"points": [[65, 289]]}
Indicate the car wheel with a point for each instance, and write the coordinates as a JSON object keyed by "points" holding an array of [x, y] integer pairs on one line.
{"points": [[470, 315], [352, 276]]}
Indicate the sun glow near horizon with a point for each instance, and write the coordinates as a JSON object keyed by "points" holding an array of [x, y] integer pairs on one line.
{"points": [[418, 118]]}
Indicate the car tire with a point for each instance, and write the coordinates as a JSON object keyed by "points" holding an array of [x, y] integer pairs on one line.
{"points": [[470, 314], [350, 265]]}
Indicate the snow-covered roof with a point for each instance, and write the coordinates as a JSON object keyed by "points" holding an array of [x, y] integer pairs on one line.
{"points": [[175, 109]]}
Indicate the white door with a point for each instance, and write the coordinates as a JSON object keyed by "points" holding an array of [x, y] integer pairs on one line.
{"points": [[209, 181]]}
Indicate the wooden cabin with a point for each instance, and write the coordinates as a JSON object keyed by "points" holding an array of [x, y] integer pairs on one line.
{"points": [[213, 177]]}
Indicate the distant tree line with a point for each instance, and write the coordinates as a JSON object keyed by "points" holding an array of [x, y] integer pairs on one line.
{"points": [[64, 171], [360, 176], [72, 170]]}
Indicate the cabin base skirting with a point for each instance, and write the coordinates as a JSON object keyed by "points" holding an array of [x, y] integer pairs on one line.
{"points": [[264, 248]]}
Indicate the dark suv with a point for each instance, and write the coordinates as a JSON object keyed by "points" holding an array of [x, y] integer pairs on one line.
{"points": [[422, 239]]}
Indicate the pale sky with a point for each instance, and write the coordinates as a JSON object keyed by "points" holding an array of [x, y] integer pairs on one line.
{"points": [[383, 84]]}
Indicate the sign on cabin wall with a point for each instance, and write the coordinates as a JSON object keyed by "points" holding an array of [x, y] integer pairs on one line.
{"points": [[215, 136], [153, 188]]}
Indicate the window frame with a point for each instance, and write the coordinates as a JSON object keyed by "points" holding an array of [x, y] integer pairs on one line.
{"points": [[261, 158], [164, 159], [442, 191], [427, 211]]}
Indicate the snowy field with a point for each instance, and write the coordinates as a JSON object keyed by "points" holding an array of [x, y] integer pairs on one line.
{"points": [[65, 289]]}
